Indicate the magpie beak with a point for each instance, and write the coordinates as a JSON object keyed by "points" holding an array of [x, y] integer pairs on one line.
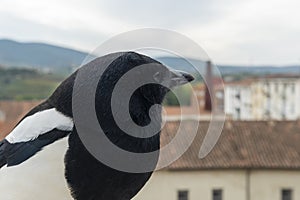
{"points": [[180, 78]]}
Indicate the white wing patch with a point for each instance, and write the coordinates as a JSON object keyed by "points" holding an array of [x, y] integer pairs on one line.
{"points": [[40, 123]]}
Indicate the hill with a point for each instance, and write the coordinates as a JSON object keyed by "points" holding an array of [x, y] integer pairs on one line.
{"points": [[259, 70], [59, 59], [39, 55], [182, 64]]}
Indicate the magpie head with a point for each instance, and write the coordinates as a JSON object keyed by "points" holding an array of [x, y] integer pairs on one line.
{"points": [[164, 79], [142, 80], [152, 80]]}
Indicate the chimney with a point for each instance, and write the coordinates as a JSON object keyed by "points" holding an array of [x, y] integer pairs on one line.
{"points": [[209, 98]]}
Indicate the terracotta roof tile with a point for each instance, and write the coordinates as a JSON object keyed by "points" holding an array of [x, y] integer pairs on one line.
{"points": [[13, 111], [243, 144]]}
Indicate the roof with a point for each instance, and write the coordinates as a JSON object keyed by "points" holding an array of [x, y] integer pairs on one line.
{"points": [[242, 145], [13, 111], [6, 127], [242, 83]]}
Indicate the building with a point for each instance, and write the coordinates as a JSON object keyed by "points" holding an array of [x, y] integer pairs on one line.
{"points": [[268, 98], [251, 161], [280, 98], [238, 100]]}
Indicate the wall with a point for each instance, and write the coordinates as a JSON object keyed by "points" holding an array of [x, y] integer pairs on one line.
{"points": [[165, 184], [238, 102], [267, 185], [264, 184]]}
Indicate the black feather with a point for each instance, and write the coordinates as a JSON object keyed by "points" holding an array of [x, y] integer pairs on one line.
{"points": [[87, 177], [2, 157], [14, 154]]}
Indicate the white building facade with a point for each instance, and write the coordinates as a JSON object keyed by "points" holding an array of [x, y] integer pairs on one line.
{"points": [[238, 101], [222, 185], [272, 98]]}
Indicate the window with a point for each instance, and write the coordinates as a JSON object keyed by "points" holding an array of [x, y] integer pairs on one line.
{"points": [[183, 195], [237, 113], [217, 194], [238, 96], [286, 194]]}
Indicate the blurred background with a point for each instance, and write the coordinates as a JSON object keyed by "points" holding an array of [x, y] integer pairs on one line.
{"points": [[255, 45]]}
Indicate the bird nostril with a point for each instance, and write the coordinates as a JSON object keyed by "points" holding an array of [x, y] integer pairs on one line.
{"points": [[188, 77]]}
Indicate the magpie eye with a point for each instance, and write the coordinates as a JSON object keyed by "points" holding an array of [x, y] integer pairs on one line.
{"points": [[158, 77]]}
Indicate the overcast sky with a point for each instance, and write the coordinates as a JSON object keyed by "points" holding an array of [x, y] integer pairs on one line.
{"points": [[248, 32]]}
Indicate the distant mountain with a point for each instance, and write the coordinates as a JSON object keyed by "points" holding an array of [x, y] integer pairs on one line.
{"points": [[39, 55], [259, 70], [181, 64], [55, 58]]}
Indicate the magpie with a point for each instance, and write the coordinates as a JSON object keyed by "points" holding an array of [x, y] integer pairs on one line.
{"points": [[87, 177]]}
